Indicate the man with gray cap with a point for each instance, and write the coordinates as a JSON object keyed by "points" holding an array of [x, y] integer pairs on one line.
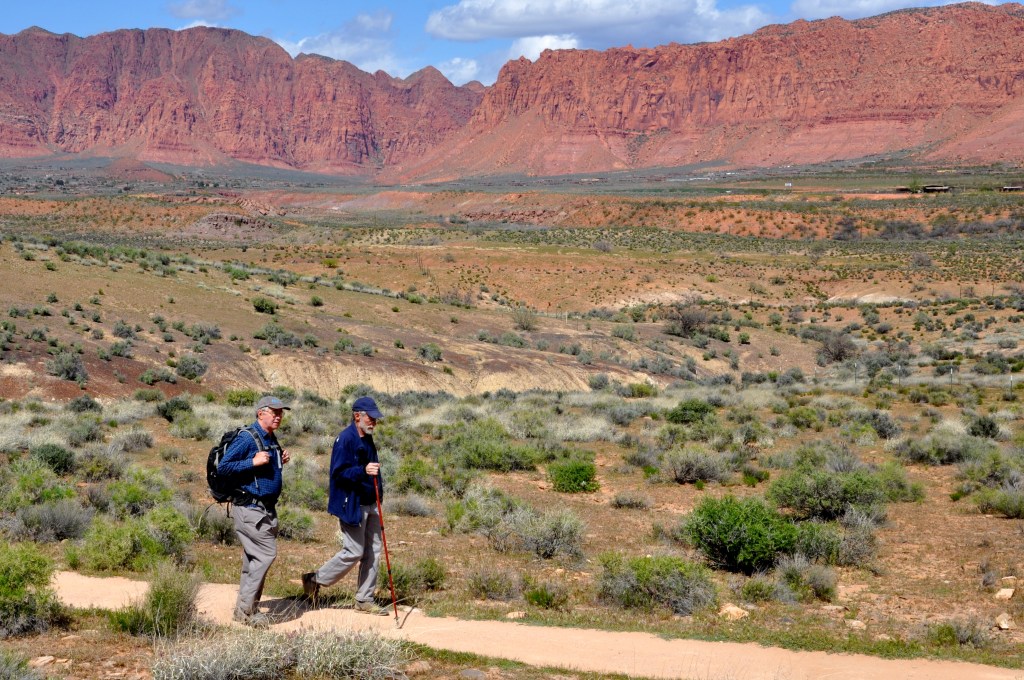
{"points": [[255, 459], [354, 485]]}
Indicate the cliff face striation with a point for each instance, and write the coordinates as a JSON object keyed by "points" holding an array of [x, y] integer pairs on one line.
{"points": [[940, 83], [207, 95]]}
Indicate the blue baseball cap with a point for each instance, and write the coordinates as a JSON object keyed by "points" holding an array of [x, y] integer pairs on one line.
{"points": [[367, 406]]}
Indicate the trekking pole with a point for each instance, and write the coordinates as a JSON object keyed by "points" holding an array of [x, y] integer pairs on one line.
{"points": [[384, 539]]}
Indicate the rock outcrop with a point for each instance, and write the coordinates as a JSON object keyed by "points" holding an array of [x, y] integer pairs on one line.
{"points": [[939, 83]]}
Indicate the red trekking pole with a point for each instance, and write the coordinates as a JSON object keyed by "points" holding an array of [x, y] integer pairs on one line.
{"points": [[384, 538]]}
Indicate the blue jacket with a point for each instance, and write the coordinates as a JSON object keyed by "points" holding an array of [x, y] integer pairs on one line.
{"points": [[263, 481], [350, 486]]}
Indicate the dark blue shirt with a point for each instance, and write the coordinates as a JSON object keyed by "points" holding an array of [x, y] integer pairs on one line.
{"points": [[349, 480], [262, 481]]}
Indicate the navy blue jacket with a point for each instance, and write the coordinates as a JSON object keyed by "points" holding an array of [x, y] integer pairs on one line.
{"points": [[350, 486], [263, 481]]}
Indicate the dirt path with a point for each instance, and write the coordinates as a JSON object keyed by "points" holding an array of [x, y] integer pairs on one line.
{"points": [[637, 654]]}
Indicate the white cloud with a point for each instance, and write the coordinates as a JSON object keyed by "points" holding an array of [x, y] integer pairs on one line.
{"points": [[459, 70], [197, 23], [206, 10], [856, 9], [364, 41], [532, 46], [595, 23]]}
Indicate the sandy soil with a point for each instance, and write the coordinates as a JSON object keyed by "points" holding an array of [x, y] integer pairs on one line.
{"points": [[637, 654]]}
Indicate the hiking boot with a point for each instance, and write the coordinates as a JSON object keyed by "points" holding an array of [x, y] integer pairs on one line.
{"points": [[371, 608], [310, 588], [253, 620]]}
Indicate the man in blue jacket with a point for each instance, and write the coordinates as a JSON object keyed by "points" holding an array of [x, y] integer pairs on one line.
{"points": [[355, 471], [255, 459]]}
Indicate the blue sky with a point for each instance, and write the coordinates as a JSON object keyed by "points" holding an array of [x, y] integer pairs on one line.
{"points": [[465, 39]]}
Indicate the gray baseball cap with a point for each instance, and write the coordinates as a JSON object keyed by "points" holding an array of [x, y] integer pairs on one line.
{"points": [[270, 401]]}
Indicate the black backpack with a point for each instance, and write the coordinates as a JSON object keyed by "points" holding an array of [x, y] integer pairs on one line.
{"points": [[224, 488]]}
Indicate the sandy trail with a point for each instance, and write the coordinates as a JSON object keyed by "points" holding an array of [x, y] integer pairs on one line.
{"points": [[635, 654]]}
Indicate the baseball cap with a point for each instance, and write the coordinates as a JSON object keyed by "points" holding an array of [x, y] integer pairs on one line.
{"points": [[270, 401], [368, 406]]}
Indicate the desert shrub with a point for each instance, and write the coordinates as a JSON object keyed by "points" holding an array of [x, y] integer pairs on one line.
{"points": [[99, 463], [112, 546], [490, 584], [135, 439], [28, 481], [264, 305], [807, 580], [82, 430], [151, 376], [859, 544], [84, 404], [573, 476], [894, 482], [277, 336], [27, 604], [191, 367], [213, 524], [68, 366], [739, 534], [55, 457], [241, 397], [430, 351], [559, 532], [249, 654], [818, 541], [49, 522], [304, 486], [14, 667], [414, 474], [168, 609], [171, 529], [690, 411], [631, 499], [959, 633], [190, 427], [598, 381], [647, 582], [547, 595], [147, 394], [1007, 501], [484, 444], [330, 654], [884, 425], [820, 494], [409, 505], [524, 318], [983, 426], [758, 588], [296, 524], [835, 346], [413, 581], [174, 408], [692, 464], [138, 491], [943, 447]]}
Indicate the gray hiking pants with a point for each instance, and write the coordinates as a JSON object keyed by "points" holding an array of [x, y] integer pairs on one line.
{"points": [[257, 532], [361, 545]]}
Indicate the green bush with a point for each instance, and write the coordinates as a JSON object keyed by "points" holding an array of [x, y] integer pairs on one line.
{"points": [[191, 367], [296, 524], [414, 474], [174, 408], [84, 404], [547, 596], [138, 491], [959, 633], [739, 534], [168, 609], [55, 457], [573, 476], [485, 445], [943, 447], [264, 305], [241, 397], [28, 481], [412, 582], [820, 494], [190, 427], [1007, 501], [983, 426], [54, 521], [112, 546], [807, 580], [559, 532], [99, 463], [27, 605], [68, 365], [647, 582], [818, 542], [430, 351], [489, 584], [695, 464], [758, 588], [304, 486], [690, 411], [13, 667], [171, 529]]}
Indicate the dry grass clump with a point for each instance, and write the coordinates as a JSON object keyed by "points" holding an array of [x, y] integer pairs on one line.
{"points": [[167, 610]]}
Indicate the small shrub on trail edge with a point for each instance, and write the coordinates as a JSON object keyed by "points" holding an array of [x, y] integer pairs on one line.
{"points": [[959, 633], [412, 581], [646, 582], [168, 608], [27, 605], [573, 476], [739, 535], [488, 584], [547, 596]]}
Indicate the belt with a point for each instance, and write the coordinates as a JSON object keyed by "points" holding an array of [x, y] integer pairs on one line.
{"points": [[257, 503]]}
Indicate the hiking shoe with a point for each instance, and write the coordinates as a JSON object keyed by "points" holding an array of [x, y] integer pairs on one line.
{"points": [[310, 588], [371, 608], [254, 620]]}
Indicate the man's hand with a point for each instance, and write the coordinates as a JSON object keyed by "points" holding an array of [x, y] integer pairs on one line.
{"points": [[285, 456], [373, 469], [261, 458]]}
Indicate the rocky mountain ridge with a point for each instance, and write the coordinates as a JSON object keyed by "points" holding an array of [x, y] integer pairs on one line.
{"points": [[944, 84]]}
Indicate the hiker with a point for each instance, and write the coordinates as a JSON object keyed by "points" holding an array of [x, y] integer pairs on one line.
{"points": [[355, 470], [256, 458]]}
